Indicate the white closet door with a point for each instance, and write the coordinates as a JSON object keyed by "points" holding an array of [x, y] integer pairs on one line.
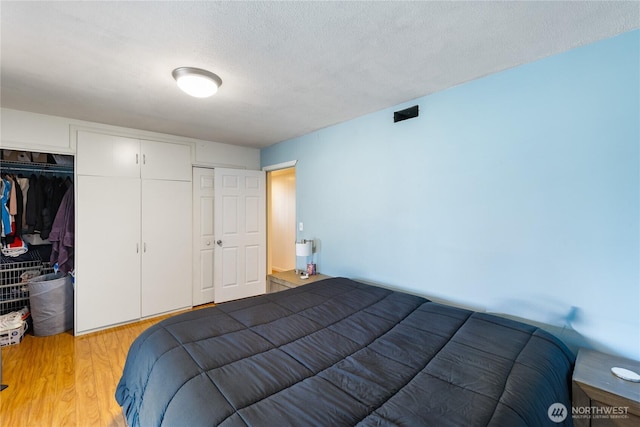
{"points": [[163, 160], [107, 285], [107, 155], [166, 240]]}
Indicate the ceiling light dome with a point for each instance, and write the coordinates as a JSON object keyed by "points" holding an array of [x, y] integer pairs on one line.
{"points": [[197, 82]]}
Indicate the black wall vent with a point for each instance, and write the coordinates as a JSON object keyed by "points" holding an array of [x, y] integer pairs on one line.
{"points": [[407, 113]]}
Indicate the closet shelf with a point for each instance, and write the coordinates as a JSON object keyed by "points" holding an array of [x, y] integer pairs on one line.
{"points": [[10, 166]]}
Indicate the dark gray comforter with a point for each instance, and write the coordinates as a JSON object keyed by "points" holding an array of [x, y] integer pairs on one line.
{"points": [[342, 353]]}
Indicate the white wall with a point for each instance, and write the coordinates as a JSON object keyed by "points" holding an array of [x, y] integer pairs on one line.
{"points": [[517, 193], [39, 132], [35, 132]]}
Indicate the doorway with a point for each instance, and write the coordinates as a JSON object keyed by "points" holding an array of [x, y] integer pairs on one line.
{"points": [[228, 234], [281, 220]]}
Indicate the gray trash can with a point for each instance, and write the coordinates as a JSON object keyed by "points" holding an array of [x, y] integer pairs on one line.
{"points": [[51, 298]]}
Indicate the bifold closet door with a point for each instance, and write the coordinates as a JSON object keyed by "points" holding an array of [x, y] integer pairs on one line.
{"points": [[167, 247], [107, 284]]}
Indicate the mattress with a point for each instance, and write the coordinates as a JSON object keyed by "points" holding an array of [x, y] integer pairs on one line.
{"points": [[342, 353]]}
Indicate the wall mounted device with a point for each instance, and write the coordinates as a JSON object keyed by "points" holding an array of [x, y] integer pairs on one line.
{"points": [[407, 113]]}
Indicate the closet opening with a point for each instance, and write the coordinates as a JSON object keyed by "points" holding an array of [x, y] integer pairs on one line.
{"points": [[35, 231]]}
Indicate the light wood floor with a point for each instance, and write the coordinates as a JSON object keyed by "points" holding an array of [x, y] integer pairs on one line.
{"points": [[64, 380]]}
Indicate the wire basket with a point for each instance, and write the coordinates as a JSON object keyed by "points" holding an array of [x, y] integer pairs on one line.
{"points": [[14, 291]]}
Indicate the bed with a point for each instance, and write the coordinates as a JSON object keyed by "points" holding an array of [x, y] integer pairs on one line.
{"points": [[341, 353]]}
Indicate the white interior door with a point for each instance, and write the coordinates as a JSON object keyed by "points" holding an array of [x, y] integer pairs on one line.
{"points": [[203, 236], [240, 232]]}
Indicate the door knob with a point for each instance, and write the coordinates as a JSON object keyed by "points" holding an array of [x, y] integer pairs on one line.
{"points": [[208, 243], [219, 243]]}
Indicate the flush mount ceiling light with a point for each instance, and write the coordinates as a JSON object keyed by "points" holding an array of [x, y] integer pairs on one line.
{"points": [[196, 82]]}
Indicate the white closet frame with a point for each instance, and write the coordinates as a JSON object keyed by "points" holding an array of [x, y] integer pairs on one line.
{"points": [[133, 229]]}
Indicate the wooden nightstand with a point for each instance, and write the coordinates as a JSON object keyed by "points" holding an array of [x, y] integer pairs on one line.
{"points": [[599, 397], [289, 279]]}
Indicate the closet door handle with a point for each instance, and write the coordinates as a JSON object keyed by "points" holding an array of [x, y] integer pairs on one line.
{"points": [[137, 248], [136, 159], [144, 247], [144, 159]]}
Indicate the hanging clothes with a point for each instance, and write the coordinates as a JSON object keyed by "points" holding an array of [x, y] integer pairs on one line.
{"points": [[43, 200], [24, 188], [19, 206], [13, 204], [4, 199], [62, 234], [34, 201], [11, 199], [28, 207]]}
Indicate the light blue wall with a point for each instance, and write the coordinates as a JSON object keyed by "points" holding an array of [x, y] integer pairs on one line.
{"points": [[516, 193]]}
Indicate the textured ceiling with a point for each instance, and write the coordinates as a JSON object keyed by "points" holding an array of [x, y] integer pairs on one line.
{"points": [[288, 68]]}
